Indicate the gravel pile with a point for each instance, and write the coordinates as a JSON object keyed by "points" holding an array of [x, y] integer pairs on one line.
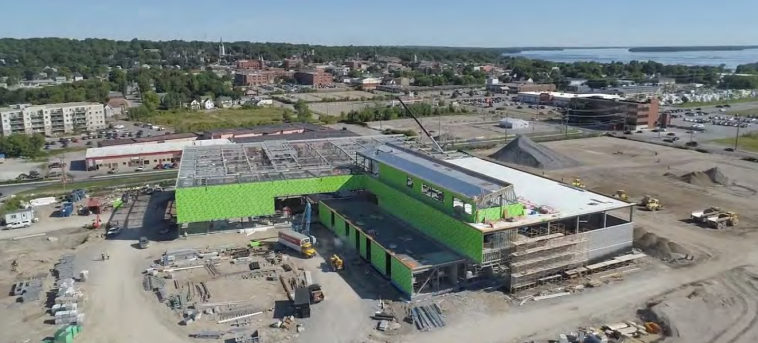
{"points": [[707, 178], [523, 151]]}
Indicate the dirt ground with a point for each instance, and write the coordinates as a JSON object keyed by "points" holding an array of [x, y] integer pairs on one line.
{"points": [[708, 299]]}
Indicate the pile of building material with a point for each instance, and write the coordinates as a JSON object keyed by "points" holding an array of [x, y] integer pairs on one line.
{"points": [[707, 178], [611, 333], [66, 307], [523, 151], [64, 269], [427, 317], [28, 291]]}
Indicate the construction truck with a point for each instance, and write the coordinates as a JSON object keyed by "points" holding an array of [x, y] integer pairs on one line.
{"points": [[651, 204], [722, 220], [577, 183], [298, 242], [304, 298], [621, 194], [337, 263], [702, 216]]}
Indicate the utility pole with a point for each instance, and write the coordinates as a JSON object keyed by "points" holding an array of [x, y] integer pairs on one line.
{"points": [[737, 136], [62, 162]]}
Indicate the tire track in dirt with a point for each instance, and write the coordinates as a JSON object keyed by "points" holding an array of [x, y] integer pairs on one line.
{"points": [[748, 288], [730, 283]]}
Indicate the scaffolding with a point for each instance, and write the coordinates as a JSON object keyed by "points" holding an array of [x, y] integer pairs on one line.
{"points": [[537, 259]]}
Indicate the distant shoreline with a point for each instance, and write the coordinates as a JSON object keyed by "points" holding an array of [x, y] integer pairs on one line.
{"points": [[518, 50], [692, 48]]}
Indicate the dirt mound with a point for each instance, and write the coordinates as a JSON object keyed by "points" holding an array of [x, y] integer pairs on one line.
{"points": [[706, 178], [659, 247], [523, 151]]}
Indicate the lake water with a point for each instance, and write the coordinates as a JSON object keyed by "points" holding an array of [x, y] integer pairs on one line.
{"points": [[714, 58]]}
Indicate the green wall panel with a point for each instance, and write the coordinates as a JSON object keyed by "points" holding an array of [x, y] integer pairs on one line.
{"points": [[339, 226], [485, 214], [362, 245], [402, 276], [325, 214], [399, 180], [515, 210], [351, 237], [447, 230], [379, 258], [198, 204]]}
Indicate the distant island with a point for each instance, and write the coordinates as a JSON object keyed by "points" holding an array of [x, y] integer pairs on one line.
{"points": [[520, 50], [692, 48]]}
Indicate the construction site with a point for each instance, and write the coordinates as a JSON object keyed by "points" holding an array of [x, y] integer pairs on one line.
{"points": [[384, 239]]}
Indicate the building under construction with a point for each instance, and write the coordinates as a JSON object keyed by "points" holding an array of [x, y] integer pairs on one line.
{"points": [[429, 222]]}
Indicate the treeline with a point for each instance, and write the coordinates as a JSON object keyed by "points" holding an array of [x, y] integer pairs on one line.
{"points": [[739, 82], [750, 68], [382, 112], [90, 57], [607, 73], [18, 145], [82, 91]]}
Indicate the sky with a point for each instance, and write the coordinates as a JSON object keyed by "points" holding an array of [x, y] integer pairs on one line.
{"points": [[468, 23]]}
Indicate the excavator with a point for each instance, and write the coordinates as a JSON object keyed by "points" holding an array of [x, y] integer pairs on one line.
{"points": [[651, 204], [337, 262], [577, 183], [621, 194]]}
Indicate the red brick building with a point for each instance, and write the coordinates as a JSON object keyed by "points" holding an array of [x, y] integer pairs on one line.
{"points": [[254, 78], [314, 78], [292, 63], [250, 64]]}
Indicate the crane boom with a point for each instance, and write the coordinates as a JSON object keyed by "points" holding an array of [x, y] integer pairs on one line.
{"points": [[410, 113]]}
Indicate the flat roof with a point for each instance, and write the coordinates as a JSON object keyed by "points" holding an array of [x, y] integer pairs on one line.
{"points": [[574, 95], [140, 149], [274, 160], [394, 235], [297, 136], [465, 182], [566, 200]]}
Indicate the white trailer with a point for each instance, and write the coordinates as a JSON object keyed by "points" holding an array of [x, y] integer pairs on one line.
{"points": [[298, 242]]}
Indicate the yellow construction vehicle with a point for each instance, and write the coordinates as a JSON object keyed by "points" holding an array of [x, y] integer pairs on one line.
{"points": [[577, 183], [651, 204], [337, 262], [722, 220], [702, 216], [621, 194]]}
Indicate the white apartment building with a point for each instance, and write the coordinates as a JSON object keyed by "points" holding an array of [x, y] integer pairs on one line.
{"points": [[52, 119]]}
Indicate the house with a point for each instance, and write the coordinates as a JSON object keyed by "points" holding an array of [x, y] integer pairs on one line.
{"points": [[78, 77], [259, 101], [111, 111], [224, 102], [207, 104], [194, 105]]}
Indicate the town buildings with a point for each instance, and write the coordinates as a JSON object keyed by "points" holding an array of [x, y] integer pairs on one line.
{"points": [[52, 119], [253, 78], [619, 114], [314, 78]]}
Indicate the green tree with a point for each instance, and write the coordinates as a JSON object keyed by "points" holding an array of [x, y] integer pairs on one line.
{"points": [[303, 112], [151, 100], [139, 113]]}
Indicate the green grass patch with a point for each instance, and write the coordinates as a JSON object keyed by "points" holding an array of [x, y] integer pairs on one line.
{"points": [[46, 154], [747, 142], [191, 121], [92, 185], [706, 104]]}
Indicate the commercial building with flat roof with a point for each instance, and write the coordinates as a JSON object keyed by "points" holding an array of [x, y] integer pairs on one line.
{"points": [[559, 99], [52, 119], [137, 155], [614, 114]]}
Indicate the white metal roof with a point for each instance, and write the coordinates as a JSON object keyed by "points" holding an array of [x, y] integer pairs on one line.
{"points": [[148, 148], [561, 95], [567, 200]]}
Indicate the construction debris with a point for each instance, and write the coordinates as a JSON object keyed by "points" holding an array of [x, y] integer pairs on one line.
{"points": [[523, 151]]}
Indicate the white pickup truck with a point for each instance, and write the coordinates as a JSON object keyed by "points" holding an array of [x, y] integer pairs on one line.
{"points": [[704, 216], [21, 224]]}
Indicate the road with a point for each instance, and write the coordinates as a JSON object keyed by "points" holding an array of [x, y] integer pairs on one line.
{"points": [[10, 189]]}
